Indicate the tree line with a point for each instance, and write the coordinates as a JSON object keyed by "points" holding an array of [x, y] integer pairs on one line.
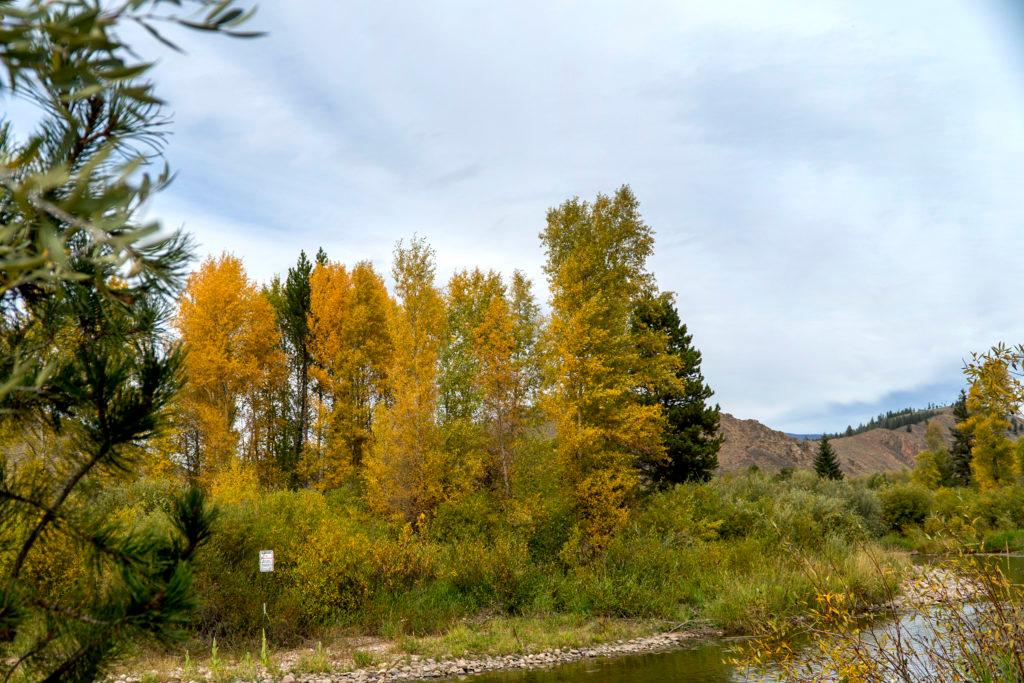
{"points": [[894, 419], [323, 378]]}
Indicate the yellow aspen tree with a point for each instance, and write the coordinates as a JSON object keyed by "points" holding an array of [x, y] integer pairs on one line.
{"points": [[502, 400], [933, 467], [406, 470], [372, 352], [528, 326], [990, 402], [352, 349], [597, 270], [233, 355], [467, 298], [327, 462]]}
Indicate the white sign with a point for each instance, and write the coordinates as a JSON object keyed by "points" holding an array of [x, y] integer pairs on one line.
{"points": [[266, 560]]}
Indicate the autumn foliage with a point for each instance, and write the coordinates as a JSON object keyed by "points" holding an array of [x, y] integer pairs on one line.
{"points": [[427, 397], [233, 361]]}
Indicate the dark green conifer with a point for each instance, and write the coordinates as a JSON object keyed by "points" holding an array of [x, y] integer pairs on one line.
{"points": [[963, 442], [291, 300], [825, 462], [691, 436]]}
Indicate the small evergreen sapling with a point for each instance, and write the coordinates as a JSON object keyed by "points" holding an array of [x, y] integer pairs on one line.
{"points": [[825, 462]]}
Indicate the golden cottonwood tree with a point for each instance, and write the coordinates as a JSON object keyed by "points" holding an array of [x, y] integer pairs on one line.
{"points": [[505, 346], [528, 327], [990, 402], [933, 467], [326, 463], [352, 350], [597, 270], [467, 298], [408, 472], [233, 358], [502, 400]]}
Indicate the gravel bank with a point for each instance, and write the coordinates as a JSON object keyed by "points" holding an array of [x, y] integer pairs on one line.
{"points": [[414, 668]]}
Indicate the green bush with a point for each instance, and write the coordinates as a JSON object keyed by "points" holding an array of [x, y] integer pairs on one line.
{"points": [[472, 517], [1011, 540], [904, 505], [1002, 507]]}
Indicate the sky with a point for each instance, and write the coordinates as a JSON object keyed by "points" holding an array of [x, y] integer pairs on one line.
{"points": [[835, 187]]}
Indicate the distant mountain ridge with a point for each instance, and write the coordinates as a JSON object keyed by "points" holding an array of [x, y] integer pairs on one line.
{"points": [[803, 437], [748, 443]]}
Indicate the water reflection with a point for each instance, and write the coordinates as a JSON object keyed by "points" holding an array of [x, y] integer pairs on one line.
{"points": [[709, 662], [706, 663]]}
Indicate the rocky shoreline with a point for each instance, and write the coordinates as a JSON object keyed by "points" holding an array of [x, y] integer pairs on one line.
{"points": [[415, 668]]}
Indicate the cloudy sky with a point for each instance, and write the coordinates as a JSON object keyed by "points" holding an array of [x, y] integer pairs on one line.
{"points": [[835, 186]]}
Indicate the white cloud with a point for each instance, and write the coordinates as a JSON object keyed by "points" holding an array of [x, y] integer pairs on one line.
{"points": [[834, 186]]}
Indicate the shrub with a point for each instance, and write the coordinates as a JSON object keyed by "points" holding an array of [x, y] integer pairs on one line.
{"points": [[341, 567], [470, 517], [1002, 507], [904, 505], [1007, 540]]}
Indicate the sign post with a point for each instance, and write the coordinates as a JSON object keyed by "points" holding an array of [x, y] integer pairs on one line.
{"points": [[266, 566]]}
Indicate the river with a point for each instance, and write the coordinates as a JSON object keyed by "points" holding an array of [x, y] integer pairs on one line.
{"points": [[705, 662]]}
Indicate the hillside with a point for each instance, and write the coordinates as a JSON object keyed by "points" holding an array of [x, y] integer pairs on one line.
{"points": [[748, 442]]}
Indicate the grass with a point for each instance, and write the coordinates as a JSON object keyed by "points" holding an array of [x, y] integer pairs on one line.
{"points": [[315, 662], [492, 636], [729, 584], [507, 635], [1007, 540]]}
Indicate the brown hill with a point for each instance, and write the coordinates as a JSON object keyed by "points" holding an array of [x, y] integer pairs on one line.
{"points": [[748, 442]]}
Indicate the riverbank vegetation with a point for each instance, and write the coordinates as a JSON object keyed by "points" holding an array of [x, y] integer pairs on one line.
{"points": [[720, 553], [959, 621], [724, 555]]}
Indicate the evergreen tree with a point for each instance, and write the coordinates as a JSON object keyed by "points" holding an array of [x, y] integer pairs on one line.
{"points": [[825, 462], [963, 442], [691, 431], [292, 301], [87, 377]]}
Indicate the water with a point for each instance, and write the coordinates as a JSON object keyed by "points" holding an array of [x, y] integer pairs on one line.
{"points": [[706, 662]]}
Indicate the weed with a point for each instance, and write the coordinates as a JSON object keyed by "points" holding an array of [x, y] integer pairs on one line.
{"points": [[316, 662], [247, 668], [363, 659], [264, 651], [188, 669]]}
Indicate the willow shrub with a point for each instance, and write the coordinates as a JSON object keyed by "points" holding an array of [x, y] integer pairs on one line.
{"points": [[732, 550], [904, 505], [729, 551]]}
